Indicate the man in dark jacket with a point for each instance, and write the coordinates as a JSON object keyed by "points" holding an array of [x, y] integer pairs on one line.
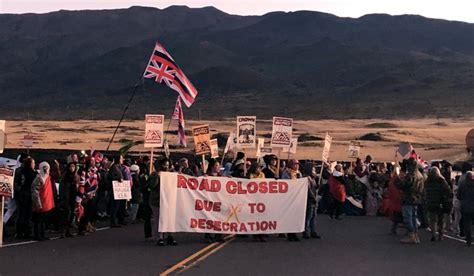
{"points": [[412, 188], [466, 195]]}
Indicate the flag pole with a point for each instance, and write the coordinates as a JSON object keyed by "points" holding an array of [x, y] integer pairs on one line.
{"points": [[1, 222], [123, 115]]}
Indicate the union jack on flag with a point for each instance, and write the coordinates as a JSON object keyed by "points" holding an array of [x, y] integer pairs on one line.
{"points": [[178, 115], [163, 69]]}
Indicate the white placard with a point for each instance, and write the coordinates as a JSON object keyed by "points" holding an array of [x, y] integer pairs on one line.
{"points": [[260, 144], [282, 131], [2, 135], [246, 131], [122, 190], [292, 148], [6, 181], [327, 147], [214, 148], [154, 131], [226, 205]]}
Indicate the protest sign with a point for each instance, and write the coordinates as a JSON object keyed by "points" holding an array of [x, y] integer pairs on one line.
{"points": [[231, 141], [154, 131], [27, 141], [201, 135], [354, 149], [122, 190], [214, 148], [246, 131], [282, 131], [265, 151], [260, 144], [404, 149], [232, 206], [327, 147], [292, 148], [6, 181]]}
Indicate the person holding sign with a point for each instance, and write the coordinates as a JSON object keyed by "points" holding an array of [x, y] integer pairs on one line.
{"points": [[292, 172], [162, 165], [271, 170], [338, 192], [86, 192], [42, 200]]}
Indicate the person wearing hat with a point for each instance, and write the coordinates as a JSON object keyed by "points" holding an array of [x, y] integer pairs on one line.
{"points": [[292, 172], [337, 190], [42, 200], [135, 189], [238, 169], [271, 169], [255, 171]]}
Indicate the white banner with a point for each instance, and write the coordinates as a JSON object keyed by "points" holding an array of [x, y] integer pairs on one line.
{"points": [[122, 190], [282, 131], [327, 147], [154, 131], [246, 131], [6, 181], [231, 205]]}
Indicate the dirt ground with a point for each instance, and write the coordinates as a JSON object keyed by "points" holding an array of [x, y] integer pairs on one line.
{"points": [[432, 138]]}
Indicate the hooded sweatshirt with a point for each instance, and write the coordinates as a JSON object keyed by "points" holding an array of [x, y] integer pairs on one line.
{"points": [[42, 190]]}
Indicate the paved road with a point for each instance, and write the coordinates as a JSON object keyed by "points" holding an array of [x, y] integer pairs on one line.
{"points": [[354, 246]]}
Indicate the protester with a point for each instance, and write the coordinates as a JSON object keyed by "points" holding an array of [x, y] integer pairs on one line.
{"points": [[102, 190], [42, 200], [238, 169], [183, 167], [86, 192], [292, 172], [394, 198], [214, 169], [67, 197], [135, 189], [161, 165], [114, 174], [338, 192], [438, 202], [255, 172], [271, 170], [412, 187], [312, 202], [27, 175], [458, 224], [465, 194]]}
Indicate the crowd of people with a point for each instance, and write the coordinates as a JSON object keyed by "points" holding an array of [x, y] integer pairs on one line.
{"points": [[72, 197]]}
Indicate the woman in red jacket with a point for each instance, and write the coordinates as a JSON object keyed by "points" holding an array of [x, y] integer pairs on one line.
{"points": [[338, 192], [43, 200]]}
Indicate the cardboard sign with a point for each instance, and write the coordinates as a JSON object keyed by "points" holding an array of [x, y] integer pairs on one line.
{"points": [[230, 145], [154, 131], [6, 181], [228, 206], [354, 149], [2, 135], [327, 147], [214, 148], [27, 141], [202, 137], [122, 190], [292, 148], [260, 145], [282, 131], [246, 131], [265, 151]]}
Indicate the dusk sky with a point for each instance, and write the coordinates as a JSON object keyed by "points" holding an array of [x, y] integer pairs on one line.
{"points": [[461, 10]]}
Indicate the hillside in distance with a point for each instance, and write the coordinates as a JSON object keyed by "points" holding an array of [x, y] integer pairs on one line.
{"points": [[306, 65]]}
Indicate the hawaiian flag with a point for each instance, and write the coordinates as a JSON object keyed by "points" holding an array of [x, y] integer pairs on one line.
{"points": [[163, 69], [178, 115]]}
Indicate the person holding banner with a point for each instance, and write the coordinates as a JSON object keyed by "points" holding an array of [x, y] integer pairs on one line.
{"points": [[271, 169], [312, 201], [42, 200], [292, 172], [214, 169], [255, 171], [162, 165]]}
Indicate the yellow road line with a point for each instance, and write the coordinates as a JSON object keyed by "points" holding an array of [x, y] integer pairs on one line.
{"points": [[205, 255]]}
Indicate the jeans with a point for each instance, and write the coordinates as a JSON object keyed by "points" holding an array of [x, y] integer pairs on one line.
{"points": [[310, 219], [409, 217]]}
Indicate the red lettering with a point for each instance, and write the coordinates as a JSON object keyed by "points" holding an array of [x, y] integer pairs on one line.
{"points": [[217, 226], [264, 225], [198, 206], [193, 183], [201, 223], [273, 187], [231, 187], [215, 186], [261, 207], [252, 188], [181, 181], [240, 189], [193, 223], [283, 187], [252, 206], [225, 226], [209, 224], [263, 187], [233, 227], [204, 185], [272, 225], [217, 206], [242, 228], [251, 225]]}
